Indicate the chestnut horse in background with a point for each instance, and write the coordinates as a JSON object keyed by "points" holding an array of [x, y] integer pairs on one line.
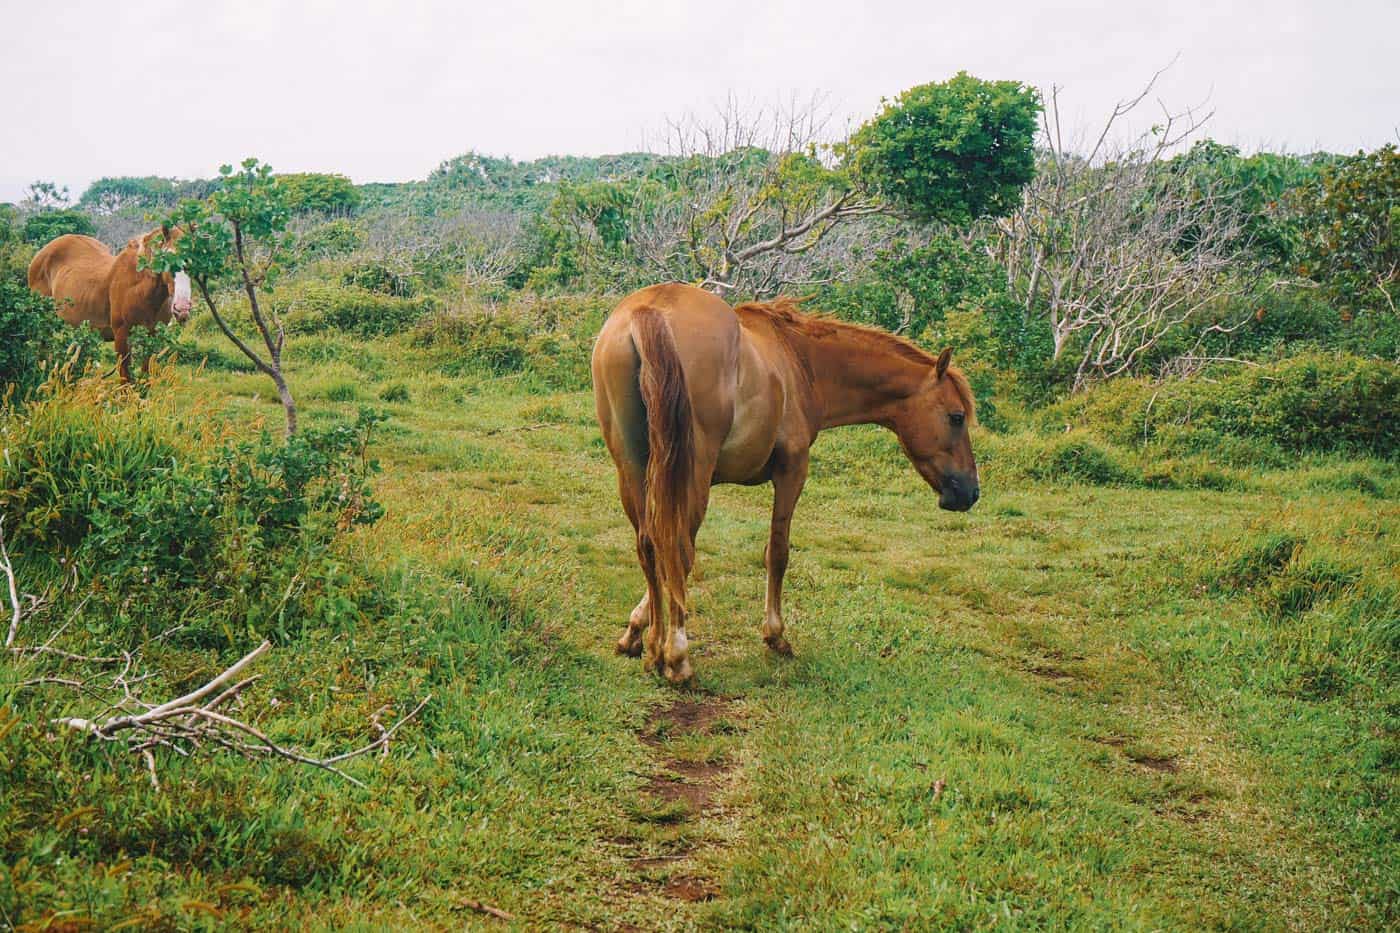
{"points": [[691, 392], [91, 286]]}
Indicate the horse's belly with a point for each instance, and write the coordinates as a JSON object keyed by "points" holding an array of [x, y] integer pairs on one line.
{"points": [[74, 299], [747, 449]]}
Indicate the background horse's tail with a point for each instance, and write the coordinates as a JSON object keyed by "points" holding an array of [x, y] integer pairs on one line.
{"points": [[665, 524]]}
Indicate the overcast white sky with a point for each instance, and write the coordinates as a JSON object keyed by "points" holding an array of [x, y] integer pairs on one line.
{"points": [[383, 92]]}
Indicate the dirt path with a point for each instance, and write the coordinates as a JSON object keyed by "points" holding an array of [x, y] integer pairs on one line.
{"points": [[680, 816]]}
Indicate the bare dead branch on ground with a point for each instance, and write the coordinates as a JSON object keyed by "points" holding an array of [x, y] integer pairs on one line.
{"points": [[184, 724]]}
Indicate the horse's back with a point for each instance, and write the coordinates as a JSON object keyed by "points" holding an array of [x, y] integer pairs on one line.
{"points": [[73, 270]]}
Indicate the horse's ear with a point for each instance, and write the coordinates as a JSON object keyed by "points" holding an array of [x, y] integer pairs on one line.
{"points": [[165, 234], [944, 359]]}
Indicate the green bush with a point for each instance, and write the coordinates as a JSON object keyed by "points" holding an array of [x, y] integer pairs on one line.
{"points": [[318, 192], [353, 310], [1079, 459], [1074, 458], [375, 276], [551, 339], [35, 342], [339, 237], [50, 225], [129, 495], [1310, 402]]}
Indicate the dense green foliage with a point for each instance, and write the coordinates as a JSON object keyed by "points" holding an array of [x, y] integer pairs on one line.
{"points": [[951, 151], [1350, 232], [319, 193], [50, 225], [110, 488], [35, 343], [1311, 402]]}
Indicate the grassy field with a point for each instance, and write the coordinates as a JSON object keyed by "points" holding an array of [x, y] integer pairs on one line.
{"points": [[1077, 706]]}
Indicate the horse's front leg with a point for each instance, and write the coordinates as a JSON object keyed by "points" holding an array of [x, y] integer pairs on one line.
{"points": [[121, 340], [787, 486]]}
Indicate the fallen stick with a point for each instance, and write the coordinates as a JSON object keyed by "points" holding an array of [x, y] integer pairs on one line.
{"points": [[488, 910]]}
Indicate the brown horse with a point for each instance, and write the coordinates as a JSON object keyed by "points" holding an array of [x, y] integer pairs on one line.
{"points": [[691, 392], [110, 293]]}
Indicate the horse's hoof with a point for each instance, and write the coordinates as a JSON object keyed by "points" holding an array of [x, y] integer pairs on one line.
{"points": [[629, 649], [778, 645], [679, 674]]}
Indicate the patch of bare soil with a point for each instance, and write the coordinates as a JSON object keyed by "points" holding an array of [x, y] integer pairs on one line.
{"points": [[1166, 765], [682, 787], [687, 888], [683, 717]]}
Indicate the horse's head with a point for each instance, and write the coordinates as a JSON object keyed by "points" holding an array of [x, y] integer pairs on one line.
{"points": [[177, 283], [933, 427]]}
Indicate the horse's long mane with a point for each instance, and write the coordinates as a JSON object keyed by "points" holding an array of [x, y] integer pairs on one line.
{"points": [[787, 317]]}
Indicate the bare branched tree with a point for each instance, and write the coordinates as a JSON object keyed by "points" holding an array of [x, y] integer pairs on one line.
{"points": [[751, 195], [486, 246], [1115, 247]]}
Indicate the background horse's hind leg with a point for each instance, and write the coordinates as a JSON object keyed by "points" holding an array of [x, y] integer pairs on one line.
{"points": [[787, 486]]}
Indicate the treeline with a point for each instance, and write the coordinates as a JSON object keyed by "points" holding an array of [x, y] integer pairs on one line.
{"points": [[955, 215]]}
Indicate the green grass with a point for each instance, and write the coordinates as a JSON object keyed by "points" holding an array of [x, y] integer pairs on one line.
{"points": [[1121, 701]]}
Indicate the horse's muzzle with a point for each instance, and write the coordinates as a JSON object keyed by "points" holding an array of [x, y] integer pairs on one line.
{"points": [[959, 493]]}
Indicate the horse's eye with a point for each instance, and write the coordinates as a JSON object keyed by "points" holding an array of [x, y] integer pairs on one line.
{"points": [[957, 418]]}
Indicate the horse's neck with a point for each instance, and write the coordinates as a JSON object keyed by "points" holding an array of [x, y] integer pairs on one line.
{"points": [[859, 380]]}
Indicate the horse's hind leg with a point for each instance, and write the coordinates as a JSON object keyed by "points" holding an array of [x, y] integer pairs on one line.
{"points": [[677, 650], [633, 494], [121, 341]]}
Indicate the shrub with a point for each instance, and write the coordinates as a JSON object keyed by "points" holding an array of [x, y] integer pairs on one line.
{"points": [[34, 341], [376, 276], [354, 310], [131, 496], [339, 237], [50, 225], [551, 339], [1069, 458], [1079, 459], [1310, 402], [317, 192]]}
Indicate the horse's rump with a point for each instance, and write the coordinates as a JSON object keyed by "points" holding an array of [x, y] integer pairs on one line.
{"points": [[74, 271]]}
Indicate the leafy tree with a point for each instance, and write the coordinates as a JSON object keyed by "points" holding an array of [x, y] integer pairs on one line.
{"points": [[951, 151], [46, 196], [113, 194], [319, 193], [42, 228], [1350, 220], [237, 235], [1260, 186]]}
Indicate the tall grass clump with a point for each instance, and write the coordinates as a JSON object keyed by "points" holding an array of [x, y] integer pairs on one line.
{"points": [[547, 338]]}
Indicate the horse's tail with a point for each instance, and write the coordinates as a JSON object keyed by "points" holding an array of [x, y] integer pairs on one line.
{"points": [[665, 524]]}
